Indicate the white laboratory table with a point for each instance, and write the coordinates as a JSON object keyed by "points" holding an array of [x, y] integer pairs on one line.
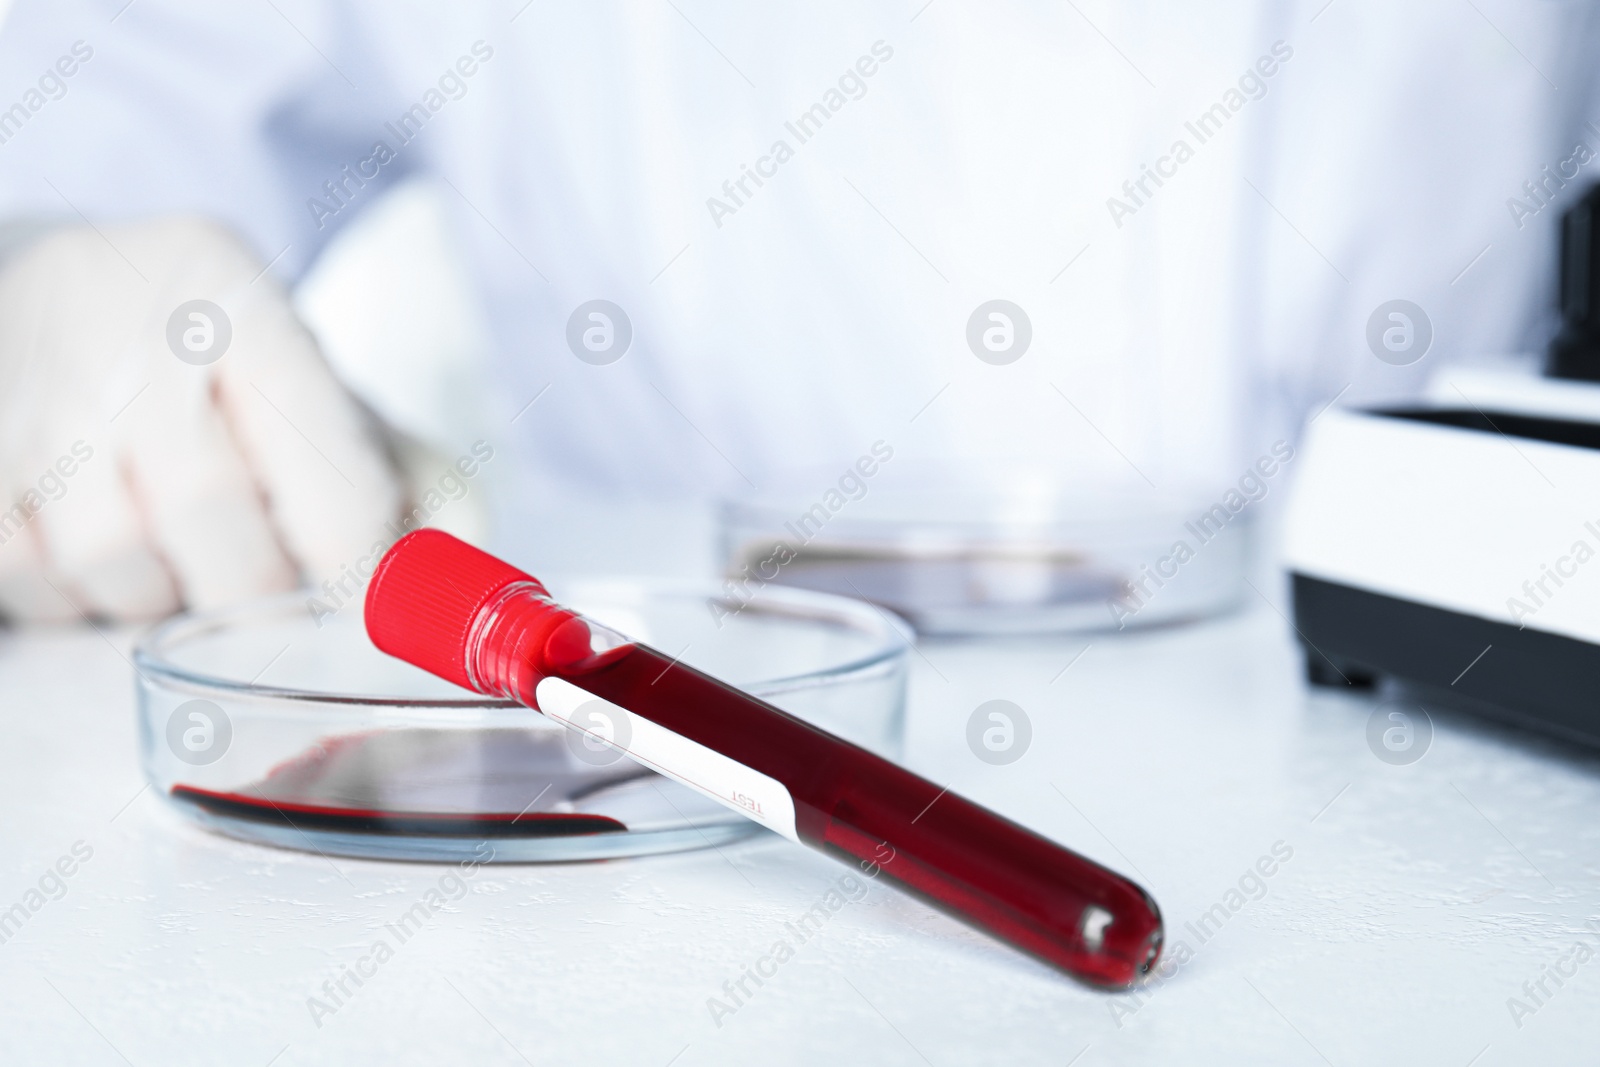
{"points": [[1414, 902]]}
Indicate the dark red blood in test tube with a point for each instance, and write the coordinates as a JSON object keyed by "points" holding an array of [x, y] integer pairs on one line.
{"points": [[445, 606]]}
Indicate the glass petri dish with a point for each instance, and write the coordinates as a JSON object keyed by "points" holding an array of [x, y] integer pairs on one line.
{"points": [[268, 724], [961, 557]]}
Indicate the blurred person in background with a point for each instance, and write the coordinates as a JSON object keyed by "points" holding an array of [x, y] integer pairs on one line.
{"points": [[710, 244]]}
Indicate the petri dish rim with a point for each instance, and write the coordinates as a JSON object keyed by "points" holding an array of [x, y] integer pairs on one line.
{"points": [[893, 636]]}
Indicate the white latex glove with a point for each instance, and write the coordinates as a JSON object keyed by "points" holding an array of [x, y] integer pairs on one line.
{"points": [[133, 482]]}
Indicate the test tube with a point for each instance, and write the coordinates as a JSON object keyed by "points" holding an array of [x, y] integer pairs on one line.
{"points": [[460, 613]]}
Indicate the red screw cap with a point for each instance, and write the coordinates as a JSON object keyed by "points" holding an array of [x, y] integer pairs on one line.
{"points": [[424, 596]]}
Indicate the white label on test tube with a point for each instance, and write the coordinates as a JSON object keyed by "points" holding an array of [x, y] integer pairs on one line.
{"points": [[749, 792]]}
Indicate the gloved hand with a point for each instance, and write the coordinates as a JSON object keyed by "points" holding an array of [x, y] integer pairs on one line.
{"points": [[157, 452]]}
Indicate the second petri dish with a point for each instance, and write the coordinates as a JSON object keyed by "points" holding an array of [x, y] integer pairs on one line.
{"points": [[963, 556]]}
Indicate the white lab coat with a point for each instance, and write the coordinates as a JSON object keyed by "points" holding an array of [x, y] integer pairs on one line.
{"points": [[1176, 332]]}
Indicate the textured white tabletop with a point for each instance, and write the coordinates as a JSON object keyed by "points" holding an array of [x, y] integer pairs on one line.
{"points": [[1415, 901]]}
